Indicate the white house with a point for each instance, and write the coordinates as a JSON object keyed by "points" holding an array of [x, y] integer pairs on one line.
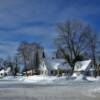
{"points": [[4, 72], [81, 67], [54, 67], [49, 66]]}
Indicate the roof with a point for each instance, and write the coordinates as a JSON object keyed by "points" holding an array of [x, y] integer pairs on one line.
{"points": [[54, 64], [82, 65]]}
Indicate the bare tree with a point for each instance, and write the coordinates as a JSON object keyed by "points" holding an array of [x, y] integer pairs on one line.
{"points": [[35, 56], [73, 41], [23, 52], [32, 61], [16, 65], [94, 50], [30, 54], [1, 62], [9, 63]]}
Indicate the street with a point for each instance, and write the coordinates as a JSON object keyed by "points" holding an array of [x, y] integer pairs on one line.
{"points": [[20, 91]]}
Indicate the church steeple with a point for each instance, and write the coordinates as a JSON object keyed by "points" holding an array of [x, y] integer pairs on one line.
{"points": [[43, 55]]}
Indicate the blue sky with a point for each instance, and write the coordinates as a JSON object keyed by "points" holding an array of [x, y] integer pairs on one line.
{"points": [[35, 20]]}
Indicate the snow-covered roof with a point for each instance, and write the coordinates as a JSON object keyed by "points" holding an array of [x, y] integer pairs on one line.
{"points": [[54, 64], [82, 65]]}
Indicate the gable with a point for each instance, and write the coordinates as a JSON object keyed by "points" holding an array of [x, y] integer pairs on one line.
{"points": [[82, 65]]}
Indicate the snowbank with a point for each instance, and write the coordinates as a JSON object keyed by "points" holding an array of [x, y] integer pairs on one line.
{"points": [[38, 79], [74, 75], [12, 78], [44, 79], [81, 77], [93, 78], [88, 78]]}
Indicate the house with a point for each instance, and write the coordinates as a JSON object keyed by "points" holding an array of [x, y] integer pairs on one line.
{"points": [[98, 70], [83, 67], [54, 67], [4, 72]]}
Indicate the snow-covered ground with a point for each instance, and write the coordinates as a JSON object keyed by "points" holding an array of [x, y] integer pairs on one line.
{"points": [[50, 80], [60, 87], [40, 79], [36, 79]]}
